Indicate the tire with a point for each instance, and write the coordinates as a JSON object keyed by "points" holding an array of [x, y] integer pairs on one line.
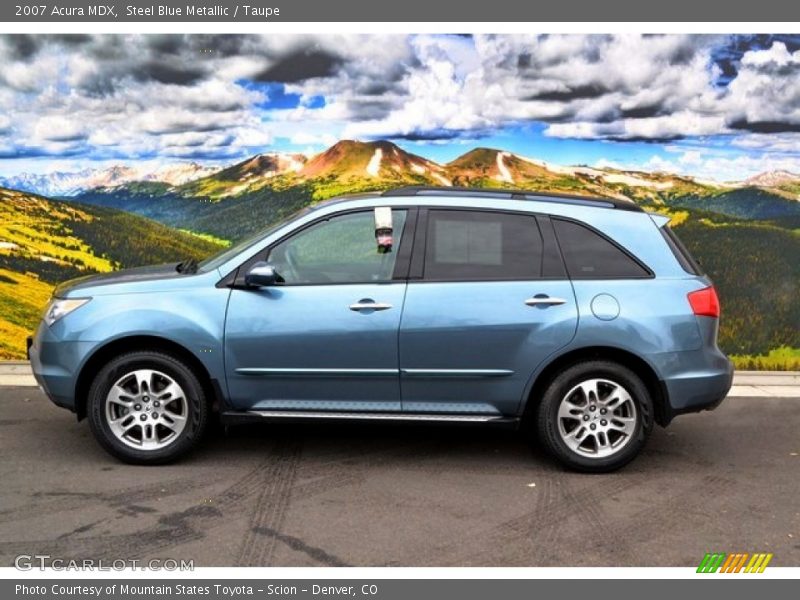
{"points": [[575, 399], [147, 408]]}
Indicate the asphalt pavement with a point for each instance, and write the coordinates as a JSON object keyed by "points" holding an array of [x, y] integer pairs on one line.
{"points": [[382, 495]]}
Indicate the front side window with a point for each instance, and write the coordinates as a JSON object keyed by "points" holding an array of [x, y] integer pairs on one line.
{"points": [[470, 245], [342, 249]]}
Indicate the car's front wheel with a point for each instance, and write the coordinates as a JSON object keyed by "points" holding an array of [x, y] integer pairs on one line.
{"points": [[147, 407], [595, 416]]}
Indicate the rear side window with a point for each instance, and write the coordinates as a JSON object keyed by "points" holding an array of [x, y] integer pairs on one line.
{"points": [[588, 255], [472, 245], [687, 262]]}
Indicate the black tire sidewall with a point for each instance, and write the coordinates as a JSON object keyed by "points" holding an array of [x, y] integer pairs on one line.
{"points": [[169, 365], [547, 414]]}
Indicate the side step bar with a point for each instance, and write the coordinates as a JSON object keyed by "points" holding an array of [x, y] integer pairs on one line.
{"points": [[250, 416]]}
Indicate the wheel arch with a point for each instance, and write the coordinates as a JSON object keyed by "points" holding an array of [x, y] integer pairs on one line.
{"points": [[105, 353], [655, 386]]}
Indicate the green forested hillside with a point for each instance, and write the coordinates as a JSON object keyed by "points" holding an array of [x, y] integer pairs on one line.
{"points": [[747, 203], [228, 219], [757, 273], [44, 242], [130, 240]]}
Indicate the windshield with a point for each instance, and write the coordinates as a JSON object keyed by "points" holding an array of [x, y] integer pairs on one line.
{"points": [[220, 258]]}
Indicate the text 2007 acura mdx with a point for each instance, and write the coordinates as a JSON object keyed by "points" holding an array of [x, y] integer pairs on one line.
{"points": [[585, 317]]}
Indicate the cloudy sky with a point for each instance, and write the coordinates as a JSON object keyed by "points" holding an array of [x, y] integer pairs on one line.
{"points": [[723, 107]]}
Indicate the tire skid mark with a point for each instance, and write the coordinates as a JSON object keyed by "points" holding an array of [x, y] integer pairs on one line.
{"points": [[524, 529], [564, 505], [596, 529], [541, 545], [318, 554], [537, 531], [672, 511], [625, 531], [178, 527], [459, 549], [194, 522], [170, 529], [61, 501], [275, 483], [321, 485]]}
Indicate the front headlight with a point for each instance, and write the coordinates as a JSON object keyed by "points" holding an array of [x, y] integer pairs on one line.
{"points": [[61, 307]]}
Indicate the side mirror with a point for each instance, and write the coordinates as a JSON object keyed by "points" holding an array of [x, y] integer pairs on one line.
{"points": [[261, 274]]}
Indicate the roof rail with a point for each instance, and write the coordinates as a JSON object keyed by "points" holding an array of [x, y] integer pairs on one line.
{"points": [[511, 194]]}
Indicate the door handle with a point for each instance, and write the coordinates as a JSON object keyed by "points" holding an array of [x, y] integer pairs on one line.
{"points": [[369, 305], [541, 300]]}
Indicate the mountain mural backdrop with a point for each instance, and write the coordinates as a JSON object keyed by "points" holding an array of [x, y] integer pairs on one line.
{"points": [[57, 226]]}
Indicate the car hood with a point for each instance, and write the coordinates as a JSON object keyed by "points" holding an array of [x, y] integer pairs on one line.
{"points": [[139, 274]]}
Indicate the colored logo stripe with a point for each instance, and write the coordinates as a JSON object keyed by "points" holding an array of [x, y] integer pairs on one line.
{"points": [[758, 563], [734, 563], [711, 562]]}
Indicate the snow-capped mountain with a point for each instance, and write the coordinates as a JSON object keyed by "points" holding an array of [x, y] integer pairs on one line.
{"points": [[59, 183], [773, 178], [350, 166], [49, 184]]}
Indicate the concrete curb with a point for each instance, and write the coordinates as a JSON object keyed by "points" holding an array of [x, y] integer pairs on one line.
{"points": [[779, 384], [747, 384], [16, 374]]}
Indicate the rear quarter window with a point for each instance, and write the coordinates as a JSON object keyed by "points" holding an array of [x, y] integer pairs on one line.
{"points": [[589, 255], [687, 262]]}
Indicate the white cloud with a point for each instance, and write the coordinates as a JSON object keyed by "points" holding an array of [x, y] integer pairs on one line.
{"points": [[305, 138], [774, 142], [58, 128], [677, 125], [767, 88], [173, 97], [718, 166]]}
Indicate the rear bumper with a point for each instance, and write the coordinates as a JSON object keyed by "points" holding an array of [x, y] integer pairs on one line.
{"points": [[703, 392], [693, 381]]}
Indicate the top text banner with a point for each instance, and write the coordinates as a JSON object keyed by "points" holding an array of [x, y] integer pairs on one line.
{"points": [[466, 11]]}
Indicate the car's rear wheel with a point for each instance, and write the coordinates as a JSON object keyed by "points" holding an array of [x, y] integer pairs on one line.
{"points": [[147, 407], [595, 416]]}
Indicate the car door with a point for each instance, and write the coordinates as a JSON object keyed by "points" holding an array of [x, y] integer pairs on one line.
{"points": [[487, 301], [324, 339]]}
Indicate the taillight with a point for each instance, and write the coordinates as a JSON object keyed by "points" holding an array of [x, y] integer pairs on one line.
{"points": [[705, 302]]}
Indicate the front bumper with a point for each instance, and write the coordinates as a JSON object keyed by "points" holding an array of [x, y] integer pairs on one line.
{"points": [[56, 364]]}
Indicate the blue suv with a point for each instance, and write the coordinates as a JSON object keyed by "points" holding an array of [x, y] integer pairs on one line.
{"points": [[585, 319]]}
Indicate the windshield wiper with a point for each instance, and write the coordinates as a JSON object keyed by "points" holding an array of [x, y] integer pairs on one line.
{"points": [[187, 266]]}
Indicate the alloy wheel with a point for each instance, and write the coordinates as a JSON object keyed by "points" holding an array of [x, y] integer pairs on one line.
{"points": [[146, 409], [597, 418]]}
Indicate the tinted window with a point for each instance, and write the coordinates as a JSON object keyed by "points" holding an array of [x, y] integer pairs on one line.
{"points": [[588, 255], [682, 255], [342, 249], [465, 245]]}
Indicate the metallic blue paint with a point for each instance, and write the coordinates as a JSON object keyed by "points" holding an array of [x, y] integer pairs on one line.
{"points": [[443, 347], [353, 355], [483, 325]]}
